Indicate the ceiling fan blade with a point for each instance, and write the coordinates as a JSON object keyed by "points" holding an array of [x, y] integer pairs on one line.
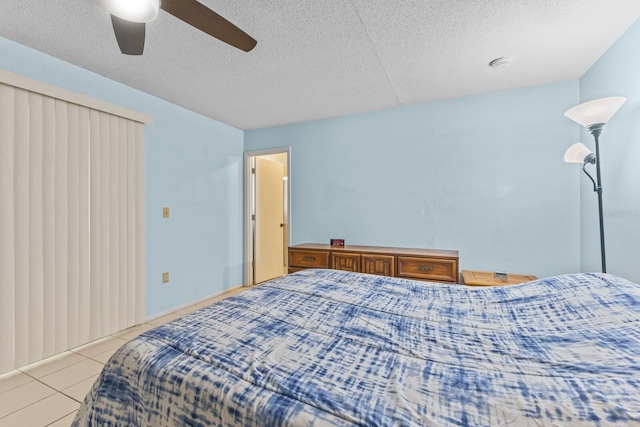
{"points": [[130, 35], [198, 15]]}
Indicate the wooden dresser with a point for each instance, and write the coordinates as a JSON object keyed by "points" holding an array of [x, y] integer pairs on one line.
{"points": [[417, 264]]}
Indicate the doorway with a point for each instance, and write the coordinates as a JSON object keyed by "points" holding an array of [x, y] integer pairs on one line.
{"points": [[267, 214]]}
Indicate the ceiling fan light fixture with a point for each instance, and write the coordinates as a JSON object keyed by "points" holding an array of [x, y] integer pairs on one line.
{"points": [[131, 10], [500, 63]]}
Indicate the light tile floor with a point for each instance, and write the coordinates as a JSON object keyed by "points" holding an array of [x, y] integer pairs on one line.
{"points": [[49, 392]]}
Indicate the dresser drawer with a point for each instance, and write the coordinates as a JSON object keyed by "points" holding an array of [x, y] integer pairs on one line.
{"points": [[382, 265], [308, 259], [346, 262], [439, 270]]}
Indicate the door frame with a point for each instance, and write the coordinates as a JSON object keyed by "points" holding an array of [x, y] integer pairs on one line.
{"points": [[249, 205]]}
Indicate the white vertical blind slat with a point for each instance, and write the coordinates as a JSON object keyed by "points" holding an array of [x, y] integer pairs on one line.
{"points": [[114, 219], [36, 257], [95, 229], [105, 224], [139, 254], [84, 261], [73, 225], [7, 254], [48, 234], [131, 220], [123, 250], [62, 225], [21, 226]]}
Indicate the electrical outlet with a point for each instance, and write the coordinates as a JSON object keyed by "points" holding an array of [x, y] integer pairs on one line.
{"points": [[165, 277], [165, 212]]}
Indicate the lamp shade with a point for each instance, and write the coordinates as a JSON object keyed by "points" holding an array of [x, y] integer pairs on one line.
{"points": [[131, 10], [577, 153], [596, 111]]}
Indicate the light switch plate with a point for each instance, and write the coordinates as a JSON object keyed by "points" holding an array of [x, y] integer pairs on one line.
{"points": [[165, 277], [165, 212]]}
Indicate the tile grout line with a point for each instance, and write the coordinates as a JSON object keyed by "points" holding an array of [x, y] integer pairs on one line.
{"points": [[53, 422], [57, 370], [70, 397], [36, 401], [55, 390]]}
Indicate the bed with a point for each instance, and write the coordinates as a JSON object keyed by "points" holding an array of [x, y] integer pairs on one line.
{"points": [[333, 348]]}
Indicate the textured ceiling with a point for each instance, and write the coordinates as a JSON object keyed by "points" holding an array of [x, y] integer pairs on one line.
{"points": [[318, 59]]}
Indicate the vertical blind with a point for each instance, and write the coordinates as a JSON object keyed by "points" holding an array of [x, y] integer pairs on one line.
{"points": [[71, 225]]}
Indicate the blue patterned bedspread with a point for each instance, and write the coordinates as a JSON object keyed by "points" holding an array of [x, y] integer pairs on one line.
{"points": [[331, 348]]}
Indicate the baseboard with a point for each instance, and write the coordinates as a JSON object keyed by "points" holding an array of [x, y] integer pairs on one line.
{"points": [[198, 301]]}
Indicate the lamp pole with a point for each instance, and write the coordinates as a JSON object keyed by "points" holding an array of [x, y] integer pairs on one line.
{"points": [[596, 131]]}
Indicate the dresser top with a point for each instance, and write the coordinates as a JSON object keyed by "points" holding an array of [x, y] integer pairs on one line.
{"points": [[441, 253]]}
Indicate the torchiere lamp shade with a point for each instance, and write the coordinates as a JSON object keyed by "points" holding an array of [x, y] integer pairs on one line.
{"points": [[577, 153], [596, 111]]}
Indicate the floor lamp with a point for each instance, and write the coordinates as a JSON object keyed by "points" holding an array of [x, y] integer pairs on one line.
{"points": [[593, 115]]}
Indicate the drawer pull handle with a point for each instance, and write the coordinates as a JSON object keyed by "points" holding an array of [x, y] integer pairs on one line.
{"points": [[309, 258], [425, 268]]}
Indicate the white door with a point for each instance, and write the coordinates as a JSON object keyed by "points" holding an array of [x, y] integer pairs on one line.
{"points": [[269, 220]]}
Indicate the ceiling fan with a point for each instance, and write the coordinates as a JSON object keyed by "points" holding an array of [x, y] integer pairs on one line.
{"points": [[128, 18]]}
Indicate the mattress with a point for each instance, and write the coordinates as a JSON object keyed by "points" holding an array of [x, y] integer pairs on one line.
{"points": [[333, 348]]}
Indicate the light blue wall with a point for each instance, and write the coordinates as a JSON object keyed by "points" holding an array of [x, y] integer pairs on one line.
{"points": [[482, 174], [193, 165], [616, 73]]}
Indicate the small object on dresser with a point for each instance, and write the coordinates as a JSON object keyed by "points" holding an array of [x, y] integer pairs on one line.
{"points": [[502, 275], [337, 242]]}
